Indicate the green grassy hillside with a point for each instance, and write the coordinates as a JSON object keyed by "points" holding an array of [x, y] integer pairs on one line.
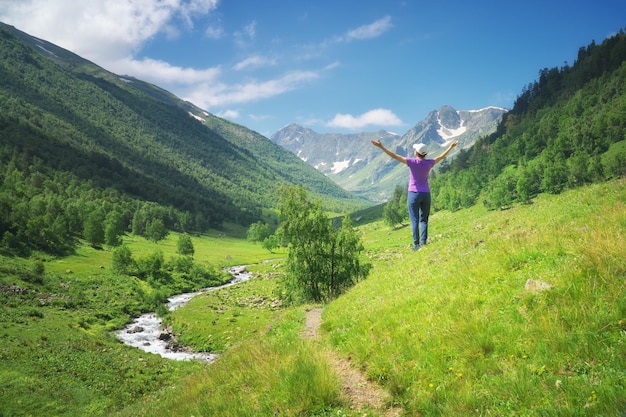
{"points": [[450, 330], [463, 328], [75, 134]]}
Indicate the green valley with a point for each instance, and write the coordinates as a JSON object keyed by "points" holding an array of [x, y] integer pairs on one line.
{"points": [[115, 195], [454, 329]]}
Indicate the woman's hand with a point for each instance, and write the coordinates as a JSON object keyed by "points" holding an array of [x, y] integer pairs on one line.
{"points": [[398, 158], [446, 152]]}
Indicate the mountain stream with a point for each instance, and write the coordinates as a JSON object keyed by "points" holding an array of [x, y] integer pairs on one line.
{"points": [[146, 332]]}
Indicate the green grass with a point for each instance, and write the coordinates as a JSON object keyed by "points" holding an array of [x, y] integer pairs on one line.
{"points": [[220, 248], [448, 331], [58, 355], [451, 329], [273, 373], [218, 320]]}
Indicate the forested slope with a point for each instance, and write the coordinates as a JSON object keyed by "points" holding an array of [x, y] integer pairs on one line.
{"points": [[77, 142], [566, 129]]}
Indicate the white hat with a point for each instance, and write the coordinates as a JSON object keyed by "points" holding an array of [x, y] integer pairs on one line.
{"points": [[420, 148]]}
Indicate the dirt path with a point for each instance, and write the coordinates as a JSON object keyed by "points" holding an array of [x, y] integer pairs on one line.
{"points": [[363, 393]]}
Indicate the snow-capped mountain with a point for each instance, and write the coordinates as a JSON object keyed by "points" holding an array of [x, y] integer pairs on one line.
{"points": [[330, 153], [352, 162], [447, 124]]}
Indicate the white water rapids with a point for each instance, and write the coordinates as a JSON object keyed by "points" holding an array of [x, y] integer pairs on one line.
{"points": [[146, 331]]}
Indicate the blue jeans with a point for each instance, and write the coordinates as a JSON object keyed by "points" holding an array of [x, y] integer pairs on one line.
{"points": [[419, 210]]}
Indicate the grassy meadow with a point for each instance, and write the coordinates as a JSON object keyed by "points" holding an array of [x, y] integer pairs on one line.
{"points": [[520, 312], [452, 329], [58, 356]]}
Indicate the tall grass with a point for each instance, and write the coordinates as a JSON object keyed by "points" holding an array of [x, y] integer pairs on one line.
{"points": [[277, 374], [452, 330]]}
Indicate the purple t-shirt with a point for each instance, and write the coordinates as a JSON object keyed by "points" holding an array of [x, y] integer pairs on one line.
{"points": [[419, 170]]}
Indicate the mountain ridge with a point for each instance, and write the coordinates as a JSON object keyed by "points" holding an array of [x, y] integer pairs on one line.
{"points": [[351, 161], [157, 123], [81, 146]]}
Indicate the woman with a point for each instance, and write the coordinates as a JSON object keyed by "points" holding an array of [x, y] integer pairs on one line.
{"points": [[419, 190]]}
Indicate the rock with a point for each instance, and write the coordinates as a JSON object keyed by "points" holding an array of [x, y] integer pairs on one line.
{"points": [[14, 289], [136, 329], [536, 285]]}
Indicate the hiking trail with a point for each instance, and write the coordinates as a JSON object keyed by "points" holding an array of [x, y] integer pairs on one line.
{"points": [[363, 394]]}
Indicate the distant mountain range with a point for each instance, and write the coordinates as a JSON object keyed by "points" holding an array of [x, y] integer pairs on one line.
{"points": [[351, 161]]}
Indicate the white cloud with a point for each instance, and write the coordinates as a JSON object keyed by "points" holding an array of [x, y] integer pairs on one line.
{"points": [[110, 33], [189, 9], [245, 36], [217, 94], [259, 117], [332, 66], [157, 72], [214, 32], [229, 114], [101, 30], [376, 117], [372, 30], [255, 61]]}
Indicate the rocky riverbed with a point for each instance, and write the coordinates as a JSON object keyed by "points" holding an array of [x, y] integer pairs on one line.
{"points": [[147, 333]]}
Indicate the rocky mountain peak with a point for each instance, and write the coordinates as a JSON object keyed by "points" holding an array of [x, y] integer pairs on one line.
{"points": [[352, 162]]}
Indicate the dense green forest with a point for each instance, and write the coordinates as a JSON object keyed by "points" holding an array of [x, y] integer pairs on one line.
{"points": [[88, 154], [566, 129]]}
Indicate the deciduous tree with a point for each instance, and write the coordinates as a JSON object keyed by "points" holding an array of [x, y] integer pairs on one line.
{"points": [[322, 261], [184, 246], [257, 232]]}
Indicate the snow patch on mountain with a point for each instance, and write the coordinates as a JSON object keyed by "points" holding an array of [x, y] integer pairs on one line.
{"points": [[340, 166], [45, 50], [196, 117], [448, 133], [500, 109]]}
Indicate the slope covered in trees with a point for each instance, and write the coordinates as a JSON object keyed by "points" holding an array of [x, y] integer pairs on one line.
{"points": [[566, 129], [82, 148]]}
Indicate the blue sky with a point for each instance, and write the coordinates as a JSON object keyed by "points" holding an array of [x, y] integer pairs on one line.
{"points": [[333, 66]]}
